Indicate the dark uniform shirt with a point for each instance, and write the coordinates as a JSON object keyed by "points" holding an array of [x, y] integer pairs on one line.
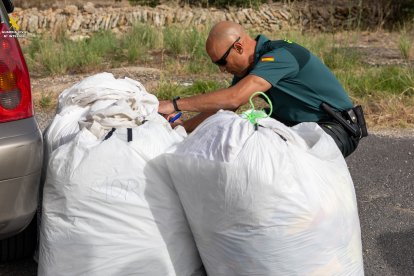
{"points": [[300, 81]]}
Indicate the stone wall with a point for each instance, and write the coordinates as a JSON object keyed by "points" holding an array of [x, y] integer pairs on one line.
{"points": [[88, 18]]}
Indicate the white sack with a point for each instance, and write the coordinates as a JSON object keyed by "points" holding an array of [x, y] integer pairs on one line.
{"points": [[104, 86], [99, 99], [259, 205], [107, 211]]}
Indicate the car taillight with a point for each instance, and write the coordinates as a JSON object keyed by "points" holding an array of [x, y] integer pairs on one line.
{"points": [[15, 93]]}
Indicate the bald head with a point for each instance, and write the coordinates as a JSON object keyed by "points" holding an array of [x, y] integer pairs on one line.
{"points": [[225, 31], [222, 35]]}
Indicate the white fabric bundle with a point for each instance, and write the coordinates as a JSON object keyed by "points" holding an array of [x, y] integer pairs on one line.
{"points": [[99, 102], [106, 209], [260, 205]]}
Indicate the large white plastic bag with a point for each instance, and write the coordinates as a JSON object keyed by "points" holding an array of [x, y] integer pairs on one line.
{"points": [[107, 212], [103, 86], [102, 99], [259, 205]]}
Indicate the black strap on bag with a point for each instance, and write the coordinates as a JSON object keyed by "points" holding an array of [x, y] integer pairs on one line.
{"points": [[280, 135], [129, 134], [109, 134]]}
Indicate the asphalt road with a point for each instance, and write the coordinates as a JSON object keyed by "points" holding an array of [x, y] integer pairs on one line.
{"points": [[383, 172]]}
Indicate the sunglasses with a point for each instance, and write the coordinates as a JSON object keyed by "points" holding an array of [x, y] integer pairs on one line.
{"points": [[222, 61]]}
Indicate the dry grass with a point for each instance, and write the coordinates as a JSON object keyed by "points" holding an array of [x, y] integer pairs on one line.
{"points": [[45, 101], [391, 112]]}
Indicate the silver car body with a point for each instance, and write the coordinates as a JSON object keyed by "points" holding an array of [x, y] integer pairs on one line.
{"points": [[20, 167]]}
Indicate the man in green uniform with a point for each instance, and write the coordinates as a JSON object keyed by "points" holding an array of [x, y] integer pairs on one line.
{"points": [[295, 80]]}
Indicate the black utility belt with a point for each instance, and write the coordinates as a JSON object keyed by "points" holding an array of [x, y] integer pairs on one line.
{"points": [[352, 119]]}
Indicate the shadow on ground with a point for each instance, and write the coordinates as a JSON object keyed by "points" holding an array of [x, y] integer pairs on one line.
{"points": [[396, 249]]}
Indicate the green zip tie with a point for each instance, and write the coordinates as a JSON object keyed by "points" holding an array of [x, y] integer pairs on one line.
{"points": [[252, 115]]}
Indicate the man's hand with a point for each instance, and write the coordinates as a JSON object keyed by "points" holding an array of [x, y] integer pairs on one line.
{"points": [[166, 107], [177, 122]]}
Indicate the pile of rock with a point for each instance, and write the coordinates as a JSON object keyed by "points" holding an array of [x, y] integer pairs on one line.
{"points": [[269, 17]]}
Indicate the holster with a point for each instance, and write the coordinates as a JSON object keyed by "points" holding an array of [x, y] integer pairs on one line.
{"points": [[361, 120], [352, 120]]}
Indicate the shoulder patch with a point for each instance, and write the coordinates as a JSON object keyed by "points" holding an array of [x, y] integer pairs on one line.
{"points": [[267, 59]]}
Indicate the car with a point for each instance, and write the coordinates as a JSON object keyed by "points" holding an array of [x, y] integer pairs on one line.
{"points": [[21, 148]]}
